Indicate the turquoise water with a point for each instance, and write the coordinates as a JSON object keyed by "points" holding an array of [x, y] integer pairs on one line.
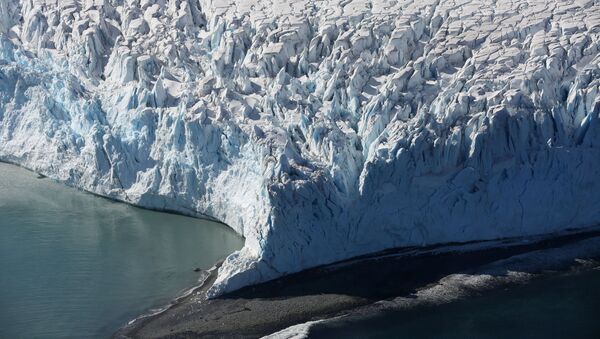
{"points": [[74, 265], [564, 306]]}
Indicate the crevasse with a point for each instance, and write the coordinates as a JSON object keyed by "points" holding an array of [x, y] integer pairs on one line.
{"points": [[319, 130]]}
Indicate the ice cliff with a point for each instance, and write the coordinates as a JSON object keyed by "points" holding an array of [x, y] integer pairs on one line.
{"points": [[319, 130]]}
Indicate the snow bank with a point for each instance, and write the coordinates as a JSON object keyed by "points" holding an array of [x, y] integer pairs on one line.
{"points": [[318, 130]]}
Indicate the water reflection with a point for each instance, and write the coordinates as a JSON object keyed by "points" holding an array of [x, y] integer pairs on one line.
{"points": [[76, 265]]}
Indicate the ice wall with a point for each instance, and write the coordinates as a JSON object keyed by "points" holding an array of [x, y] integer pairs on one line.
{"points": [[319, 130]]}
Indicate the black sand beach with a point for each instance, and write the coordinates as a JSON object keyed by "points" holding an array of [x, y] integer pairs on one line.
{"points": [[343, 288]]}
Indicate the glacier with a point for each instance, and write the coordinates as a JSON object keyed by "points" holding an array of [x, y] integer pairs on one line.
{"points": [[318, 130]]}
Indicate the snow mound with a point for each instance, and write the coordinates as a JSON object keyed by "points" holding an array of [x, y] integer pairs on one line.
{"points": [[319, 130]]}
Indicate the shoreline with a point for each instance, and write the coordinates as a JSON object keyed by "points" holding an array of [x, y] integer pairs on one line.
{"points": [[377, 316], [52, 230], [318, 305], [186, 213], [378, 280]]}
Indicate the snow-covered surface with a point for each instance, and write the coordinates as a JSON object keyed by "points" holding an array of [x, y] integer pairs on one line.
{"points": [[299, 331], [319, 130]]}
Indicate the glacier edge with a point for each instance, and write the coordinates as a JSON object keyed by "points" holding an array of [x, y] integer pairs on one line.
{"points": [[317, 130]]}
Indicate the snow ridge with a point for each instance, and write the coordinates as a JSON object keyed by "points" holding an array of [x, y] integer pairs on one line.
{"points": [[319, 130]]}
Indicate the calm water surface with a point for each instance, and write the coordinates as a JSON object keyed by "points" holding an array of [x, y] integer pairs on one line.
{"points": [[79, 266], [565, 306]]}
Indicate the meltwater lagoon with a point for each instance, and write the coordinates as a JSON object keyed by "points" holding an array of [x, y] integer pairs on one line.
{"points": [[76, 265]]}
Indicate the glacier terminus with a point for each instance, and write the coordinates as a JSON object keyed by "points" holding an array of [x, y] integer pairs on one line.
{"points": [[318, 130]]}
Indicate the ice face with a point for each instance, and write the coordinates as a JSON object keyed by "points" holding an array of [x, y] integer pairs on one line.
{"points": [[318, 130]]}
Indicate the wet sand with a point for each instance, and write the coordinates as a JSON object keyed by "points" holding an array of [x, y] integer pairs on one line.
{"points": [[327, 291]]}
